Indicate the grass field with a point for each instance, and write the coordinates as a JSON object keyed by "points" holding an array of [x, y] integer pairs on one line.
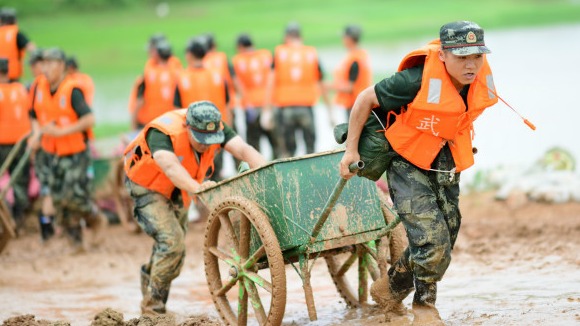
{"points": [[111, 42], [109, 39]]}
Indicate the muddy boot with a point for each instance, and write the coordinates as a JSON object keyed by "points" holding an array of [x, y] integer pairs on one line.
{"points": [[390, 290], [145, 277], [154, 300], [424, 305], [46, 227], [75, 235], [97, 222], [390, 301]]}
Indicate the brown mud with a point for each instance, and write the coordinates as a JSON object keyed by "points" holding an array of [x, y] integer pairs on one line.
{"points": [[515, 263]]}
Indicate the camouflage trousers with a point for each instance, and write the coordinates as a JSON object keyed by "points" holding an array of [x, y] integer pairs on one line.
{"points": [[20, 185], [43, 162], [428, 208], [290, 119], [166, 223], [68, 180]]}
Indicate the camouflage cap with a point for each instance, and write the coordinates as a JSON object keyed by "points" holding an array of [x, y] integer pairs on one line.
{"points": [[204, 121], [463, 38], [54, 54]]}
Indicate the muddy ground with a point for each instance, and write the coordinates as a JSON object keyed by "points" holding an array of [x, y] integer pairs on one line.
{"points": [[515, 263]]}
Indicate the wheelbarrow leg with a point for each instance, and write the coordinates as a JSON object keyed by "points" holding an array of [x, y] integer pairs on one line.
{"points": [[303, 260]]}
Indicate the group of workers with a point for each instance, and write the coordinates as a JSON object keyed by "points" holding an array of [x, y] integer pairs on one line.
{"points": [[53, 117], [275, 91], [425, 113]]}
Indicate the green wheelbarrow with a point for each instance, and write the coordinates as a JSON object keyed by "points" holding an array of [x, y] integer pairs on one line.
{"points": [[293, 211]]}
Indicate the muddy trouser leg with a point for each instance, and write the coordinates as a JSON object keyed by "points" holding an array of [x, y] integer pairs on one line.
{"points": [[305, 120], [430, 216], [253, 129], [401, 277], [20, 188], [162, 220], [71, 192], [289, 130], [43, 168], [279, 132]]}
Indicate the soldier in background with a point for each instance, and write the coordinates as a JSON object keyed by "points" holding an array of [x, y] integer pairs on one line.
{"points": [[252, 67], [14, 125], [354, 72], [13, 43]]}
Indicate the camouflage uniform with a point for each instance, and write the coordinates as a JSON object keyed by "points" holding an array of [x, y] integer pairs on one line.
{"points": [[166, 222], [20, 186], [288, 120], [163, 218], [70, 184]]}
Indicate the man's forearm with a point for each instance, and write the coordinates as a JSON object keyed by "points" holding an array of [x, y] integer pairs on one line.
{"points": [[361, 109]]}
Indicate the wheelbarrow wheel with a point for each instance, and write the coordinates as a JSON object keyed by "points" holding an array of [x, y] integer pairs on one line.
{"points": [[233, 257], [350, 270]]}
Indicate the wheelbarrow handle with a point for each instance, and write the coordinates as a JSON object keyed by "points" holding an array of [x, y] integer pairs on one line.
{"points": [[356, 166]]}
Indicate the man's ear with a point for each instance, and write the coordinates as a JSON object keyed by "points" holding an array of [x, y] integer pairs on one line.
{"points": [[441, 55]]}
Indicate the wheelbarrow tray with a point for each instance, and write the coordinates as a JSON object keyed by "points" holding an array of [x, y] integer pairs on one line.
{"points": [[292, 193]]}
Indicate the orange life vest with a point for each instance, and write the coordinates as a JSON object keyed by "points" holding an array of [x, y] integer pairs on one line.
{"points": [[198, 84], [363, 80], [296, 70], [174, 65], [9, 50], [57, 108], [14, 119], [142, 169], [38, 91], [159, 93], [218, 61], [87, 86], [252, 69], [438, 114]]}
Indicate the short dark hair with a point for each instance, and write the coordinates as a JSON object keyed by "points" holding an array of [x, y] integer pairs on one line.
{"points": [[353, 31], [244, 40], [197, 47], [72, 62], [210, 40], [8, 16], [292, 29], [163, 49]]}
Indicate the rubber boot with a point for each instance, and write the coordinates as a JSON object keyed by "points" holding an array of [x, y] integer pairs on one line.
{"points": [[46, 227], [97, 222], [154, 299], [424, 305], [75, 235], [390, 290]]}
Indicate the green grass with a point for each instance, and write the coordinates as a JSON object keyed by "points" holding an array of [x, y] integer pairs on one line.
{"points": [[104, 130], [109, 36], [111, 42]]}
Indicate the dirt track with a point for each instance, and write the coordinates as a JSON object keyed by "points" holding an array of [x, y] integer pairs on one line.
{"points": [[515, 263]]}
